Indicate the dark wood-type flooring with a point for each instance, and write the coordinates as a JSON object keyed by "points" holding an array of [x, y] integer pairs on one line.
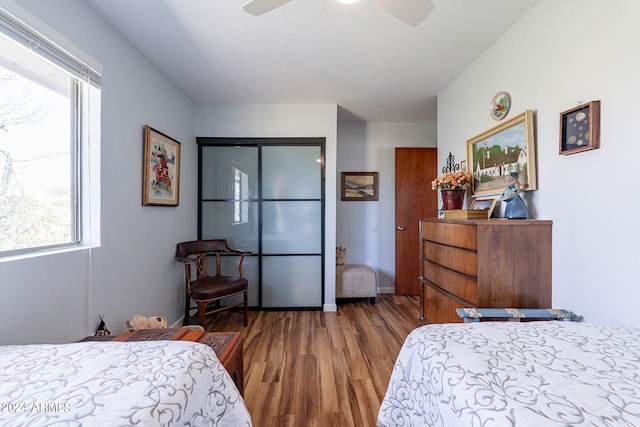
{"points": [[312, 368]]}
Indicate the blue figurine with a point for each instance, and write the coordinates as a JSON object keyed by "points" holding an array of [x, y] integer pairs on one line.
{"points": [[516, 208]]}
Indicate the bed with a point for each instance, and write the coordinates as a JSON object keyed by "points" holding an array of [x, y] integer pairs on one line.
{"points": [[542, 373], [155, 383]]}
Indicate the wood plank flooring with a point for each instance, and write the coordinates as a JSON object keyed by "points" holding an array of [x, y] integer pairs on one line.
{"points": [[312, 368]]}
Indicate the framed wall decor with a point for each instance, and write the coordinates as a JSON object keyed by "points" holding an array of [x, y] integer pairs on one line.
{"points": [[161, 169], [580, 128], [483, 205], [500, 106], [494, 154], [359, 186]]}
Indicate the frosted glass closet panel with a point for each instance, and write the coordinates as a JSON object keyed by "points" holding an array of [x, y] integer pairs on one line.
{"points": [[291, 172], [229, 173], [292, 281], [219, 221], [292, 227]]}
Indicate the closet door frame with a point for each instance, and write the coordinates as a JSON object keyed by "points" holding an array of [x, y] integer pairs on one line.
{"points": [[204, 142]]}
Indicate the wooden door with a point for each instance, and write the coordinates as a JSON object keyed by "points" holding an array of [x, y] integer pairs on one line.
{"points": [[415, 169]]}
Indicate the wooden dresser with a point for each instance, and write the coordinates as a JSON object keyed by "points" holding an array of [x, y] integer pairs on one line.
{"points": [[483, 263]]}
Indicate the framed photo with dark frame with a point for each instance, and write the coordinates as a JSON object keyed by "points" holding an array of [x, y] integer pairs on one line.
{"points": [[359, 186], [161, 169], [495, 154], [580, 128]]}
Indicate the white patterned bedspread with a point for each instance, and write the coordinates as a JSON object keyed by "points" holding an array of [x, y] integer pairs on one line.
{"points": [[155, 383], [515, 374]]}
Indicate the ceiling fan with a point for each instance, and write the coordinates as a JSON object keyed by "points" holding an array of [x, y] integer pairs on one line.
{"points": [[412, 12]]}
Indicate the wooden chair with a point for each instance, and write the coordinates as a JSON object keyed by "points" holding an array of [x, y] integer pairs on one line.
{"points": [[206, 289]]}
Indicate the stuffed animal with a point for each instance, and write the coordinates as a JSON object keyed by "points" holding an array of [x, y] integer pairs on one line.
{"points": [[138, 322]]}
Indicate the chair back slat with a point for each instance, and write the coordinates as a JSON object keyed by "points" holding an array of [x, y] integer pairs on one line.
{"points": [[202, 265]]}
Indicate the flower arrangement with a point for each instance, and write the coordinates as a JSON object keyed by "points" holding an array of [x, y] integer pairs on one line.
{"points": [[452, 181]]}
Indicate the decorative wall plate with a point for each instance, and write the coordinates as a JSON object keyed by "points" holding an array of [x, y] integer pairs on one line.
{"points": [[500, 106]]}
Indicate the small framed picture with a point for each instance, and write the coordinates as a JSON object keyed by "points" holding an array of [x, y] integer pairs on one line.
{"points": [[161, 169], [359, 186], [580, 128], [483, 205]]}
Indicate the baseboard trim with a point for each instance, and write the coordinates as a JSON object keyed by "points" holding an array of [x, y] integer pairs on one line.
{"points": [[330, 307]]}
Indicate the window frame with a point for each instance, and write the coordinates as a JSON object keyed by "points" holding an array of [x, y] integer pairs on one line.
{"points": [[84, 143]]}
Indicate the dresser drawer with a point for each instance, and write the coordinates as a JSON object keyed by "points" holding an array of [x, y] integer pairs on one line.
{"points": [[465, 287], [460, 235], [462, 260], [440, 307]]}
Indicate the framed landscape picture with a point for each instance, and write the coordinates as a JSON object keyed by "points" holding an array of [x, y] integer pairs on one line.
{"points": [[359, 186], [161, 169], [493, 155]]}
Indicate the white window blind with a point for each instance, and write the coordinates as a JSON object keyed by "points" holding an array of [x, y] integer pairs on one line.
{"points": [[21, 33]]}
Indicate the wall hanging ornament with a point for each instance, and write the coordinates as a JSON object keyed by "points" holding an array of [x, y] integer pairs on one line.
{"points": [[499, 107], [580, 128]]}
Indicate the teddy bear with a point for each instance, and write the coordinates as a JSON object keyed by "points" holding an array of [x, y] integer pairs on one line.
{"points": [[138, 322]]}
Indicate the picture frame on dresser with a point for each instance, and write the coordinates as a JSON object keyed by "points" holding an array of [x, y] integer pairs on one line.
{"points": [[580, 128], [494, 154], [483, 205]]}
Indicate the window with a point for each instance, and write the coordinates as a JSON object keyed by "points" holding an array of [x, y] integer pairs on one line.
{"points": [[44, 120], [240, 191]]}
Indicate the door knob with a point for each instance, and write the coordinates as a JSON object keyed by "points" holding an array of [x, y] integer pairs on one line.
{"points": [[400, 228]]}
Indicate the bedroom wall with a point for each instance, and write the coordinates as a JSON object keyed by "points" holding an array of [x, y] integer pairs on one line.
{"points": [[57, 297], [367, 229], [558, 54], [284, 121]]}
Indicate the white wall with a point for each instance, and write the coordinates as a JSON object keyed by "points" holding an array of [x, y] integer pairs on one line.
{"points": [[285, 121], [560, 53], [367, 229], [57, 298]]}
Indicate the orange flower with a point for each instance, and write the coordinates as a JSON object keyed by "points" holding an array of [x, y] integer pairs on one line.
{"points": [[452, 181]]}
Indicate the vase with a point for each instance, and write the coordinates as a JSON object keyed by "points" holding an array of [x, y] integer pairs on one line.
{"points": [[452, 199]]}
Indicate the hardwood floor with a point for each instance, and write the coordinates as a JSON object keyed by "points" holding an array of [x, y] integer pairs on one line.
{"points": [[312, 368]]}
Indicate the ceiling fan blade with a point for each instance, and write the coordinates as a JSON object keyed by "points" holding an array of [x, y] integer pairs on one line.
{"points": [[258, 7], [412, 12]]}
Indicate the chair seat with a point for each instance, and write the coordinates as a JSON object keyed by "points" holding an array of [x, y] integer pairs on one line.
{"points": [[217, 287]]}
